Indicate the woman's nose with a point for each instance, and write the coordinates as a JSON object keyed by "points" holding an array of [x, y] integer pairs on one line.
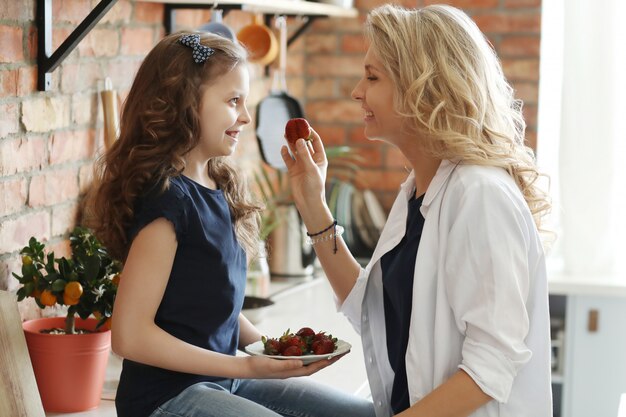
{"points": [[357, 92]]}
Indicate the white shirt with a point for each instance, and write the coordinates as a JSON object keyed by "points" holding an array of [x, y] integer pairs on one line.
{"points": [[480, 295]]}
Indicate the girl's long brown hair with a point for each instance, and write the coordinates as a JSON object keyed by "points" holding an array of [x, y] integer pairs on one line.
{"points": [[159, 125]]}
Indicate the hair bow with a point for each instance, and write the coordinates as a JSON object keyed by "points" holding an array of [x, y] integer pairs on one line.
{"points": [[200, 52]]}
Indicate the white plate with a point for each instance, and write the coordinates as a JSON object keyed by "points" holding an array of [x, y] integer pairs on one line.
{"points": [[256, 349]]}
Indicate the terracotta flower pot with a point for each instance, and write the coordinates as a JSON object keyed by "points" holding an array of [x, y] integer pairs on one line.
{"points": [[69, 369]]}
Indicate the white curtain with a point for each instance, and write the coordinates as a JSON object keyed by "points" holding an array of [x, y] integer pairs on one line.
{"points": [[581, 137]]}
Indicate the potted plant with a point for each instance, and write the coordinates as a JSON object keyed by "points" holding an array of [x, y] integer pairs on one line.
{"points": [[69, 354], [289, 255]]}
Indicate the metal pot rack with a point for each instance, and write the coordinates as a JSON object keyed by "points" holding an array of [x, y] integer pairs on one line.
{"points": [[48, 61]]}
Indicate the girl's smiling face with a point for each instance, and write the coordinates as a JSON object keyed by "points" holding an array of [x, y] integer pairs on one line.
{"points": [[375, 91], [223, 113]]}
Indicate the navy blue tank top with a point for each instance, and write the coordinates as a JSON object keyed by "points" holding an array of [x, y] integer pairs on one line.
{"points": [[398, 268], [204, 294]]}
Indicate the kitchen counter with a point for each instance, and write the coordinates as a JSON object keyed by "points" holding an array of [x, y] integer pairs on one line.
{"points": [[592, 285]]}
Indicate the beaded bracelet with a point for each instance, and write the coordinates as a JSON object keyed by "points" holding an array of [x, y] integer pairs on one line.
{"points": [[333, 224], [338, 231]]}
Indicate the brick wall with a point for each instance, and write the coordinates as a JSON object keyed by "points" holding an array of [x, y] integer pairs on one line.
{"points": [[49, 140]]}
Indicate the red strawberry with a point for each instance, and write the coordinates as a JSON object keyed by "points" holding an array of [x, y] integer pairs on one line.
{"points": [[306, 332], [291, 341], [292, 351], [271, 346], [323, 346], [296, 129]]}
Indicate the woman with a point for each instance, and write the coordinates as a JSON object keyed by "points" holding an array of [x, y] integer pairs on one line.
{"points": [[453, 306]]}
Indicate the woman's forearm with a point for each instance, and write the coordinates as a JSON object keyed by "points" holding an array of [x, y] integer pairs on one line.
{"points": [[459, 396]]}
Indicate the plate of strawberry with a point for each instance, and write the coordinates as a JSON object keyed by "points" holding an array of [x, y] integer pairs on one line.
{"points": [[306, 344]]}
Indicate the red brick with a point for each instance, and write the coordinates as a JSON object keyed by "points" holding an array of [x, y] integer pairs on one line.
{"points": [[353, 43], [331, 134], [45, 113], [122, 73], [188, 19], [32, 43], [53, 187], [514, 4], [22, 154], [100, 42], [335, 65], [60, 248], [371, 4], [321, 43], [77, 77], [531, 138], [339, 25], [26, 81], [346, 85], [336, 110], [59, 35], [357, 136], [148, 13], [11, 44], [64, 219], [12, 196], [84, 108], [17, 10], [467, 4], [521, 69], [502, 22], [10, 120], [320, 88], [72, 11], [68, 146], [528, 92], [514, 46], [530, 114], [370, 157], [295, 65], [8, 83], [85, 178], [382, 180], [120, 13], [15, 233], [137, 41]]}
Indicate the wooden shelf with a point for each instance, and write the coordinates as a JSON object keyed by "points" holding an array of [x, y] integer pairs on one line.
{"points": [[287, 7]]}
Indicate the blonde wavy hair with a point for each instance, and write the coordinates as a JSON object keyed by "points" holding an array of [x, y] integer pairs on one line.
{"points": [[160, 123], [450, 85]]}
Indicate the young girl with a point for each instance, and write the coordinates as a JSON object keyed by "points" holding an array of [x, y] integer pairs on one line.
{"points": [[453, 306], [170, 205]]}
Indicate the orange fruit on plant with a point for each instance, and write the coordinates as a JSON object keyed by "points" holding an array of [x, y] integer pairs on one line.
{"points": [[27, 260], [73, 290], [69, 301], [47, 298]]}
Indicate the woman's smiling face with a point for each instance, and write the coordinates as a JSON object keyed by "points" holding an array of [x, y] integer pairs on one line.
{"points": [[376, 91]]}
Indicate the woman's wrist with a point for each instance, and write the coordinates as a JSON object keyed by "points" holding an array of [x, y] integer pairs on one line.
{"points": [[316, 218]]}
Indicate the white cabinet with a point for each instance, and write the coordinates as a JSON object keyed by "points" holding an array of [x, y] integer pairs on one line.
{"points": [[594, 349]]}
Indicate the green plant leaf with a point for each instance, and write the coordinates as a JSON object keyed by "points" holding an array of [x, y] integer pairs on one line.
{"points": [[92, 267], [21, 294]]}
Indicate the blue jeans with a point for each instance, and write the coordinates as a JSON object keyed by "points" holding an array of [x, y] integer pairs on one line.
{"points": [[294, 397]]}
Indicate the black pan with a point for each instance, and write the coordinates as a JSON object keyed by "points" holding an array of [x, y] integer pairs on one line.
{"points": [[275, 110]]}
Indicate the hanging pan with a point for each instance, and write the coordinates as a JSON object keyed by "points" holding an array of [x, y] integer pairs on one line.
{"points": [[275, 110]]}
